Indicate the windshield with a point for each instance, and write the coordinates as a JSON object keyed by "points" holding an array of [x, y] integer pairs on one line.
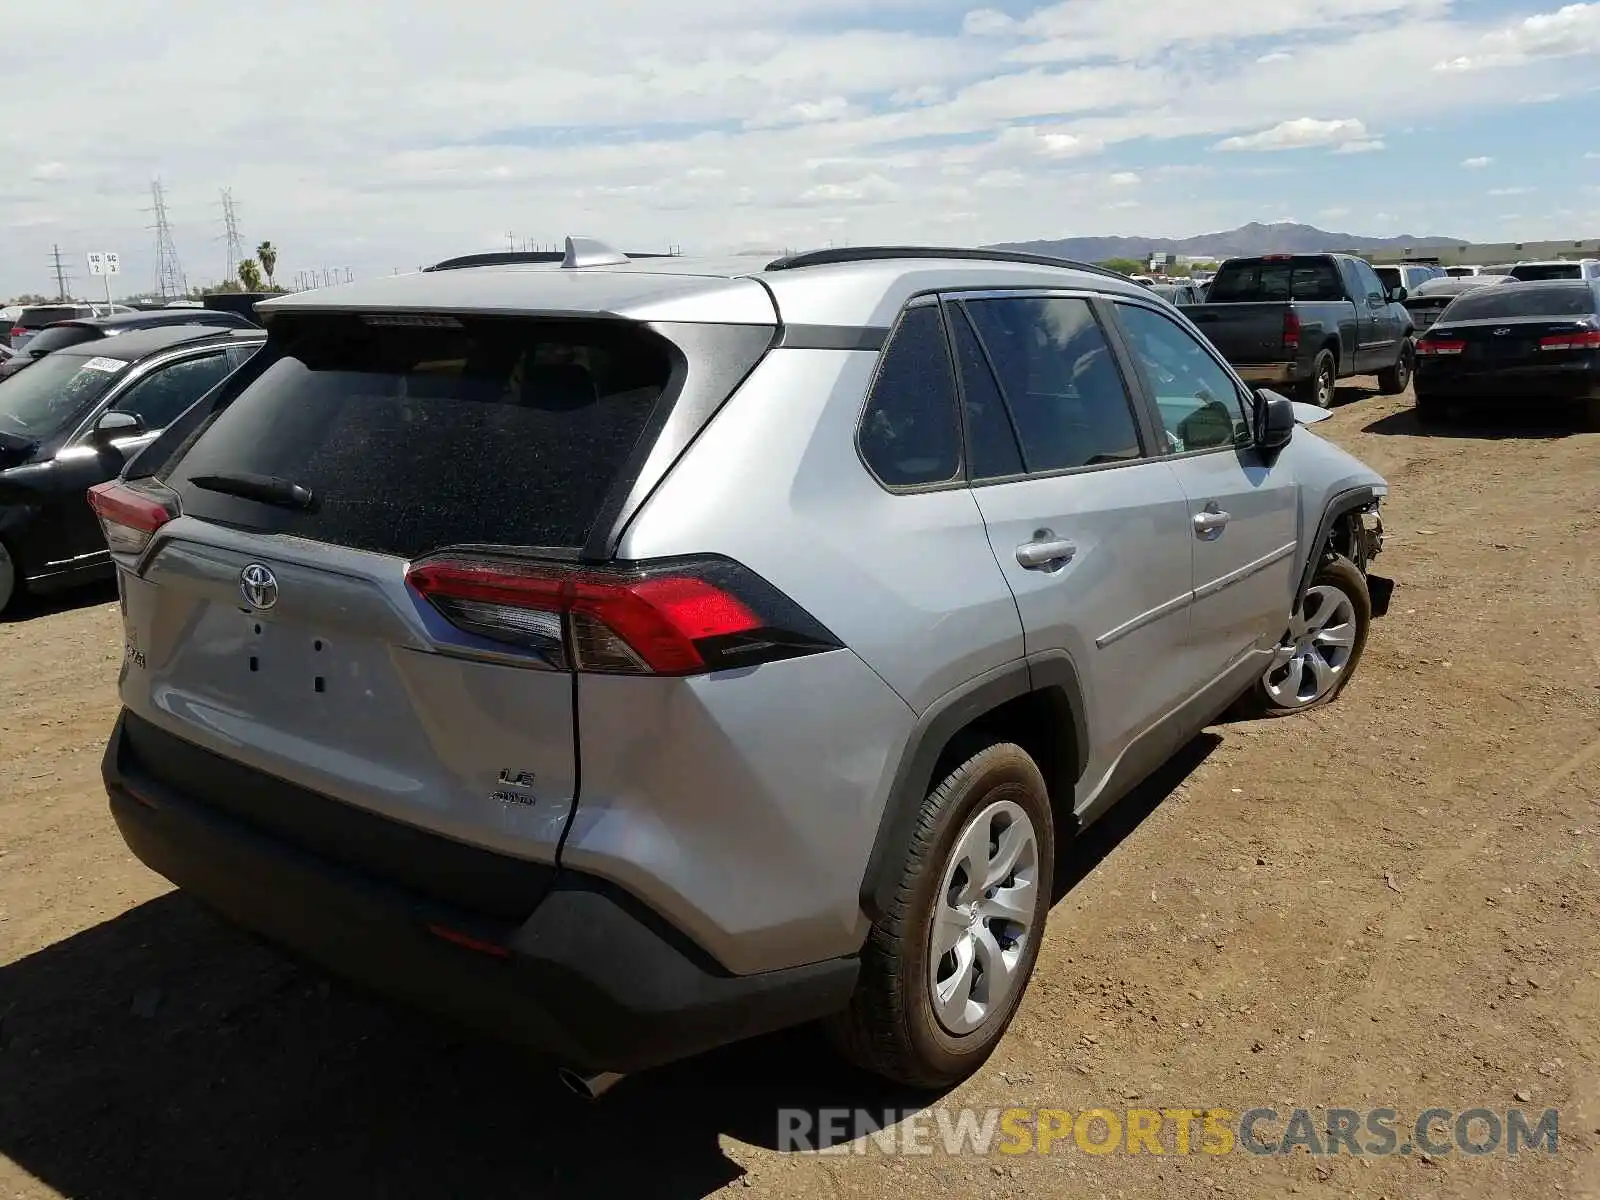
{"points": [[58, 337], [37, 402], [38, 318], [1531, 271], [1509, 300]]}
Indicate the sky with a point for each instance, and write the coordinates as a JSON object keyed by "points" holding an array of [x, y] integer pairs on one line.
{"points": [[378, 135]]}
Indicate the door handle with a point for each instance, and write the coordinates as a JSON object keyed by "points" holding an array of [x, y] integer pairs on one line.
{"points": [[1046, 552], [1210, 522]]}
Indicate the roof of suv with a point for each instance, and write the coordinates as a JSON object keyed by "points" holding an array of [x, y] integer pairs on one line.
{"points": [[140, 343], [864, 286]]}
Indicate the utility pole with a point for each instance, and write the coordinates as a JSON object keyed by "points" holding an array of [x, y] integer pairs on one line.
{"points": [[169, 273], [230, 224], [61, 274]]}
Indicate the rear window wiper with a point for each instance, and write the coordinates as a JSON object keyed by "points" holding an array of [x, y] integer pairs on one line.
{"points": [[266, 489]]}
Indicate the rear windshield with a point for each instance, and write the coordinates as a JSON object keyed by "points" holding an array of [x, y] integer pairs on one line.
{"points": [[1509, 300], [1532, 271], [1276, 279], [488, 430], [59, 337], [38, 402], [38, 318]]}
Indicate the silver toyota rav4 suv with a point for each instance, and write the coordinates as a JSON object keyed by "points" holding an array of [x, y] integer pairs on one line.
{"points": [[628, 657]]}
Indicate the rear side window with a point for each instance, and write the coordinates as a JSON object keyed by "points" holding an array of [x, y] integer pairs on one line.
{"points": [[1277, 279], [1534, 271], [415, 433], [1061, 384], [1509, 300], [909, 435]]}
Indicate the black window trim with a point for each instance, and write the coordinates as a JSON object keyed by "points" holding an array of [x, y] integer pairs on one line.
{"points": [[959, 479], [1147, 394], [1098, 303]]}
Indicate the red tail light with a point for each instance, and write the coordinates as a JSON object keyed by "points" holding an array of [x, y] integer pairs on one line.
{"points": [[679, 618], [1437, 347], [129, 516], [1291, 330], [17, 331], [1579, 339]]}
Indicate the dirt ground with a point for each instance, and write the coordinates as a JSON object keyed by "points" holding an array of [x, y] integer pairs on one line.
{"points": [[1389, 903]]}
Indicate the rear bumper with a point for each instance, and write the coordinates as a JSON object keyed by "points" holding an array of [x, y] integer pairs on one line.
{"points": [[1515, 384], [590, 980], [1286, 372]]}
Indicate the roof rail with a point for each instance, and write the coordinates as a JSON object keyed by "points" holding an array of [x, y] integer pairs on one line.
{"points": [[851, 254], [501, 258]]}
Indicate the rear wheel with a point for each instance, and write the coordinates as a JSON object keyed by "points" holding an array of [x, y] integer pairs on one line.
{"points": [[1326, 636], [1428, 408], [945, 967], [1398, 377], [1319, 388]]}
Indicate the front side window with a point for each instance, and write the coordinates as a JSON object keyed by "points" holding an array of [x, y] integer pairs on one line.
{"points": [[51, 394], [1065, 394], [909, 433], [162, 396], [1200, 406]]}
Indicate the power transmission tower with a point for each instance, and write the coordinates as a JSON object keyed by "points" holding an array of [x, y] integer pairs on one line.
{"points": [[169, 272], [230, 221], [61, 273]]}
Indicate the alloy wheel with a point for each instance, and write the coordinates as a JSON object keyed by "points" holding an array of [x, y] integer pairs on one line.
{"points": [[1310, 662], [983, 916]]}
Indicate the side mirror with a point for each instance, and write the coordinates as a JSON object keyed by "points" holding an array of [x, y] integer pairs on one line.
{"points": [[1274, 421], [1398, 295], [114, 424]]}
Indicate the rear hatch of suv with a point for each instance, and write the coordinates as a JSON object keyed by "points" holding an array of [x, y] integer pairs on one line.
{"points": [[326, 592]]}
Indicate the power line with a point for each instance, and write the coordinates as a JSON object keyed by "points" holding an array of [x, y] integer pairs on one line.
{"points": [[61, 273], [169, 272]]}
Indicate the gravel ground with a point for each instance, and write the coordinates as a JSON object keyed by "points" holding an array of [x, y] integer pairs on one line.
{"points": [[1389, 903]]}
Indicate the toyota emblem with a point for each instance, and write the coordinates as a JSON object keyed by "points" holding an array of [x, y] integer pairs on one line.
{"points": [[259, 586], [1502, 331]]}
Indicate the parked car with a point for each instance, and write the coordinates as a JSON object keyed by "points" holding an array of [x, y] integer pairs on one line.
{"points": [[8, 319], [71, 421], [1179, 291], [711, 537], [1433, 297], [1516, 343], [1407, 275], [1307, 320], [36, 316], [76, 332], [1576, 268]]}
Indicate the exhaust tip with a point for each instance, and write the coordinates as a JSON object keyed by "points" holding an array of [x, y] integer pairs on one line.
{"points": [[589, 1087]]}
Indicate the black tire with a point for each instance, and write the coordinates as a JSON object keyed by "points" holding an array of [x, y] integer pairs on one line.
{"points": [[1339, 572], [890, 1028], [1319, 389], [11, 587], [1398, 377]]}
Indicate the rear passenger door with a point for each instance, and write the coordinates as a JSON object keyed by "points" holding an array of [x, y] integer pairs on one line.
{"points": [[1087, 522], [1243, 518]]}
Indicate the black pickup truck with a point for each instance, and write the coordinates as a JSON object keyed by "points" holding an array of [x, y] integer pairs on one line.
{"points": [[1304, 321]]}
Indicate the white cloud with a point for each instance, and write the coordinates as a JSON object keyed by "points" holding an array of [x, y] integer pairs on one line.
{"points": [[1566, 33], [1275, 56], [1124, 178], [987, 22], [1511, 191], [1361, 146], [45, 172], [1298, 134], [1045, 142], [1478, 163]]}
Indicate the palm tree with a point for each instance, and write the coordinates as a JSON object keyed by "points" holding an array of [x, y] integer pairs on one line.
{"points": [[250, 275], [268, 254]]}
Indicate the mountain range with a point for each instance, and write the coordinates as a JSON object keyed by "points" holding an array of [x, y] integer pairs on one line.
{"points": [[1254, 238]]}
